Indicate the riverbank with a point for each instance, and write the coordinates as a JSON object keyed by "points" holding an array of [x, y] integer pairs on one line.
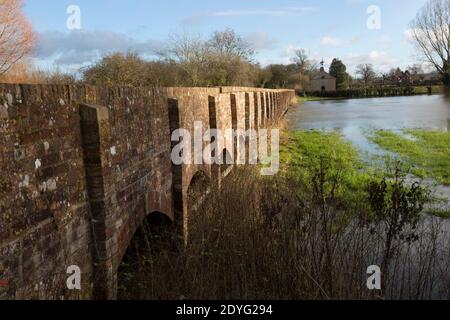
{"points": [[290, 236], [425, 157], [311, 231], [393, 121], [427, 152], [374, 92]]}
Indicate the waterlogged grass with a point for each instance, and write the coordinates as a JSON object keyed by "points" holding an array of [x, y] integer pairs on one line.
{"points": [[427, 151], [301, 147], [303, 152], [301, 99], [424, 89], [441, 213], [288, 236]]}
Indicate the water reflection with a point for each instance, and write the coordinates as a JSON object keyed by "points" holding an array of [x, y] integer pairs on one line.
{"points": [[357, 116]]}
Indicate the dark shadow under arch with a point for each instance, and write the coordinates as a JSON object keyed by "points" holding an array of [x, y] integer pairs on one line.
{"points": [[177, 170], [156, 234], [225, 167], [199, 187]]}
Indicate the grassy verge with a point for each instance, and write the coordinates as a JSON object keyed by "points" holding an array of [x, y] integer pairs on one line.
{"points": [[303, 152], [441, 213], [374, 92], [424, 89], [307, 233], [427, 151], [301, 99], [298, 147]]}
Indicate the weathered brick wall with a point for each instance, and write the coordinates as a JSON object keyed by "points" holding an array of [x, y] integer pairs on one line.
{"points": [[224, 118], [44, 208], [135, 172], [82, 166], [190, 105]]}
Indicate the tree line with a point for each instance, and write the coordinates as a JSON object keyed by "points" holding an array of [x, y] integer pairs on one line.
{"points": [[223, 59]]}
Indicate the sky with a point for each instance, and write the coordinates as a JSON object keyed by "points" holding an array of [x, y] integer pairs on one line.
{"points": [[355, 31]]}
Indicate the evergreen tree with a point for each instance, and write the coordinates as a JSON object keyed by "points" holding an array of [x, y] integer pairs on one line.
{"points": [[339, 71]]}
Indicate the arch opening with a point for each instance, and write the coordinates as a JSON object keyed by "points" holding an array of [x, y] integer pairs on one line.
{"points": [[226, 163], [198, 189], [154, 238]]}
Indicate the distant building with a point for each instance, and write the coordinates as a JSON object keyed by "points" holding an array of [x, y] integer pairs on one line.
{"points": [[432, 78], [323, 82]]}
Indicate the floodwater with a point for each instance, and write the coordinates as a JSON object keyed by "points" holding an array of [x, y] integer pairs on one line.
{"points": [[356, 117]]}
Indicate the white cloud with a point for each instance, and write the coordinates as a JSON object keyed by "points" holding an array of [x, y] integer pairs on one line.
{"points": [[79, 47], [409, 34], [261, 41], [288, 53], [290, 50], [281, 12], [381, 60], [275, 12], [331, 41]]}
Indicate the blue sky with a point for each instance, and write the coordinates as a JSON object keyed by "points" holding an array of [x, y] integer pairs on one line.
{"points": [[326, 29]]}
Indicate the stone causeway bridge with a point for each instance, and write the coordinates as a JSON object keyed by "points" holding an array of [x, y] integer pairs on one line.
{"points": [[81, 168]]}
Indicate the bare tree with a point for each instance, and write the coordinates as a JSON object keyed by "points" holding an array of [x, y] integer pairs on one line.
{"points": [[190, 54], [229, 43], [16, 35], [306, 68], [301, 59], [230, 59], [431, 32], [366, 72], [223, 59]]}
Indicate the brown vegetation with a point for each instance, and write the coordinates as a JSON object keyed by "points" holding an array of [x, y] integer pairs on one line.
{"points": [[431, 32], [16, 35], [274, 239]]}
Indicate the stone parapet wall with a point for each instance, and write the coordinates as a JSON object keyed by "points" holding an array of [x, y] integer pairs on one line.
{"points": [[82, 166]]}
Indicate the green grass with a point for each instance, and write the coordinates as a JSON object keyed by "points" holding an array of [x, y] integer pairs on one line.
{"points": [[441, 213], [308, 98], [300, 146], [424, 89], [302, 152], [428, 152]]}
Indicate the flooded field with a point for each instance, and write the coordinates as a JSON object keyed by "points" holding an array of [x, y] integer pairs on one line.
{"points": [[355, 117]]}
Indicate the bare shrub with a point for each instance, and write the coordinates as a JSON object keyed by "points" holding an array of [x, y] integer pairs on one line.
{"points": [[264, 238]]}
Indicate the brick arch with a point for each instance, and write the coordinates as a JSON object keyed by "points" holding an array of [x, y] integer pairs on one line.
{"points": [[108, 149], [127, 172], [225, 167], [268, 107], [189, 107], [156, 229], [202, 181], [138, 224], [151, 220]]}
